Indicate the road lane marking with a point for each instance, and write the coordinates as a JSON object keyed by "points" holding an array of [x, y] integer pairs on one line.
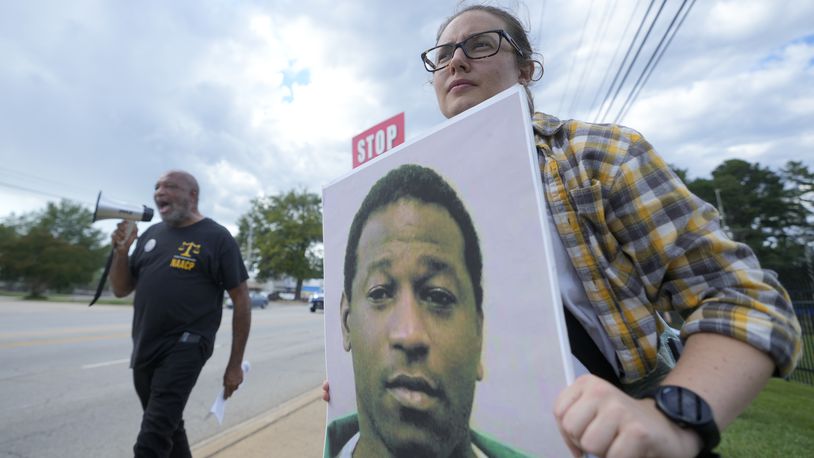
{"points": [[106, 363], [62, 331], [69, 340]]}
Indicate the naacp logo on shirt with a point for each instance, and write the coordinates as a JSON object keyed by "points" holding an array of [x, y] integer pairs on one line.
{"points": [[185, 259]]}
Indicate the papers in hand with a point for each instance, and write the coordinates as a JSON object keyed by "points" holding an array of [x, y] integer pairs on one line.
{"points": [[219, 405]]}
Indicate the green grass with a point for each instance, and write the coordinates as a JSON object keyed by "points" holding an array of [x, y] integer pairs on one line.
{"points": [[779, 423]]}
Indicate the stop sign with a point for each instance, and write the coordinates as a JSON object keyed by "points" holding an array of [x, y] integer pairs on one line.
{"points": [[378, 139]]}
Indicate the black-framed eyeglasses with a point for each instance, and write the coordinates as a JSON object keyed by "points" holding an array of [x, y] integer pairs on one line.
{"points": [[478, 46]]}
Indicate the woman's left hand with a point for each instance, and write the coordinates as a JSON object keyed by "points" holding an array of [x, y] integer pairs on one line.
{"points": [[596, 417]]}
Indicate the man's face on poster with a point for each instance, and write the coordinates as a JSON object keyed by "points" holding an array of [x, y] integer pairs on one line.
{"points": [[413, 329]]}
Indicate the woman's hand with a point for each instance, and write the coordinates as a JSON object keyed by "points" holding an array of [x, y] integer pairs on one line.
{"points": [[326, 391], [596, 417]]}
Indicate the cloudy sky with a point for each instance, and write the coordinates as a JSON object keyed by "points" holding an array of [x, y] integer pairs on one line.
{"points": [[259, 97]]}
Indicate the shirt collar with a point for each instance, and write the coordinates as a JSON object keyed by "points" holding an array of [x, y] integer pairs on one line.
{"points": [[546, 125], [350, 447]]}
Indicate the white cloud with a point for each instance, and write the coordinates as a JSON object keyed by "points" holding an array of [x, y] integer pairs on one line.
{"points": [[737, 19], [262, 97]]}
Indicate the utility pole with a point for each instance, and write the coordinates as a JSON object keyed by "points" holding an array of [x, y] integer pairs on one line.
{"points": [[724, 226], [249, 247]]}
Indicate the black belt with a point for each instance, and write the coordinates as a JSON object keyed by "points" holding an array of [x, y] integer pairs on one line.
{"points": [[189, 337]]}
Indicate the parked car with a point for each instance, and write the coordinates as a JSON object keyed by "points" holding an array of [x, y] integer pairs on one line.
{"points": [[256, 299], [317, 302]]}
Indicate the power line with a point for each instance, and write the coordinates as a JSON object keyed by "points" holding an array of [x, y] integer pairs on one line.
{"points": [[42, 193], [610, 62], [573, 58], [622, 65], [540, 26], [649, 71], [600, 34], [624, 60], [28, 177], [650, 61]]}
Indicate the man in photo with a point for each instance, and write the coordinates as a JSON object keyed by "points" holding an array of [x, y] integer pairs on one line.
{"points": [[411, 316]]}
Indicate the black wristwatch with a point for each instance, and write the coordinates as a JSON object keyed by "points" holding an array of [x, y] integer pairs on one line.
{"points": [[688, 410]]}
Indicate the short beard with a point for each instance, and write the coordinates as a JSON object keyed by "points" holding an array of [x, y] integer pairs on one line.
{"points": [[178, 215]]}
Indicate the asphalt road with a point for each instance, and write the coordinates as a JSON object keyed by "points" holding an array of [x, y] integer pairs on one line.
{"points": [[66, 384]]}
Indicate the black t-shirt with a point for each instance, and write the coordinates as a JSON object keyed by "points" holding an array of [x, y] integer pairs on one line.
{"points": [[180, 276]]}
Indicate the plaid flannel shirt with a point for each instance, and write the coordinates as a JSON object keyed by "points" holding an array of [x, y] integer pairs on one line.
{"points": [[641, 242]]}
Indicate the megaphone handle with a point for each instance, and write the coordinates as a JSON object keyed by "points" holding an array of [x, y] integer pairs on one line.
{"points": [[131, 226]]}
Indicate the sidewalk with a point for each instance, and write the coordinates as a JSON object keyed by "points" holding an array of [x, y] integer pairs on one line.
{"points": [[294, 429]]}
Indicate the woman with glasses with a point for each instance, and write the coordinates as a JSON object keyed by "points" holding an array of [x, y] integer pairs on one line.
{"points": [[631, 241]]}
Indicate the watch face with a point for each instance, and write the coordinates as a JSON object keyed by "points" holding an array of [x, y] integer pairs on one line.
{"points": [[684, 405]]}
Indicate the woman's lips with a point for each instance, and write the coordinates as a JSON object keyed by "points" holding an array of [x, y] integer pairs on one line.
{"points": [[460, 85]]}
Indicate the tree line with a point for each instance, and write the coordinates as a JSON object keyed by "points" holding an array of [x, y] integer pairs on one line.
{"points": [[771, 211], [57, 249]]}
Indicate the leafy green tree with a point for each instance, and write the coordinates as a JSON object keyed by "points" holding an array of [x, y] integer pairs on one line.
{"points": [[8, 237], [285, 234], [801, 181], [765, 210], [54, 249]]}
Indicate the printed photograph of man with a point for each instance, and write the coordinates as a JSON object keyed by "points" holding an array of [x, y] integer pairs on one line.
{"points": [[468, 261], [412, 318]]}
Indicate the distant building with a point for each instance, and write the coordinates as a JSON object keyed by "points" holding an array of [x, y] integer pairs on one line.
{"points": [[287, 285]]}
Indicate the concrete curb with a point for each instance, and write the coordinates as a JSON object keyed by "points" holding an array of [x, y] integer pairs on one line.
{"points": [[228, 438]]}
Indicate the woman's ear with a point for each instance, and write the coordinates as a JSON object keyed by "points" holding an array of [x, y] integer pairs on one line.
{"points": [[526, 71]]}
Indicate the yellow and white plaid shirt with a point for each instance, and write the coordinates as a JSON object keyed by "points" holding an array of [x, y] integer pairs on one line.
{"points": [[641, 242]]}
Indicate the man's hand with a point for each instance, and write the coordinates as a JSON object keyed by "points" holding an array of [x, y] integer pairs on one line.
{"points": [[125, 234], [596, 417], [232, 379], [121, 281]]}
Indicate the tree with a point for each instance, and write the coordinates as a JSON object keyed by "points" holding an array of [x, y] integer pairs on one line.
{"points": [[286, 236], [801, 181], [53, 249], [765, 210], [682, 173]]}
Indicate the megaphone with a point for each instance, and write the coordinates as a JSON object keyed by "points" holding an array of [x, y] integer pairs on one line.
{"points": [[110, 209]]}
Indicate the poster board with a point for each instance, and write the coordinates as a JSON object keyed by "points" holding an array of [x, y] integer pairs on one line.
{"points": [[487, 155]]}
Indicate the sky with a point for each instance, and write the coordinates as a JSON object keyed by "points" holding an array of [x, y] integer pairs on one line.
{"points": [[257, 98]]}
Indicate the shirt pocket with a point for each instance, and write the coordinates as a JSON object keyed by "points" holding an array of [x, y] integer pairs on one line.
{"points": [[590, 208]]}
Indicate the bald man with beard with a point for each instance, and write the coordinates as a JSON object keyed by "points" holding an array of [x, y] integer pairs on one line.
{"points": [[179, 271]]}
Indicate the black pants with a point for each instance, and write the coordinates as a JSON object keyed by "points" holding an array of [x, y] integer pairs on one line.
{"points": [[164, 389]]}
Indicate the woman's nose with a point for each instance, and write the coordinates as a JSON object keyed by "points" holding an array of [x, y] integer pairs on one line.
{"points": [[458, 61]]}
